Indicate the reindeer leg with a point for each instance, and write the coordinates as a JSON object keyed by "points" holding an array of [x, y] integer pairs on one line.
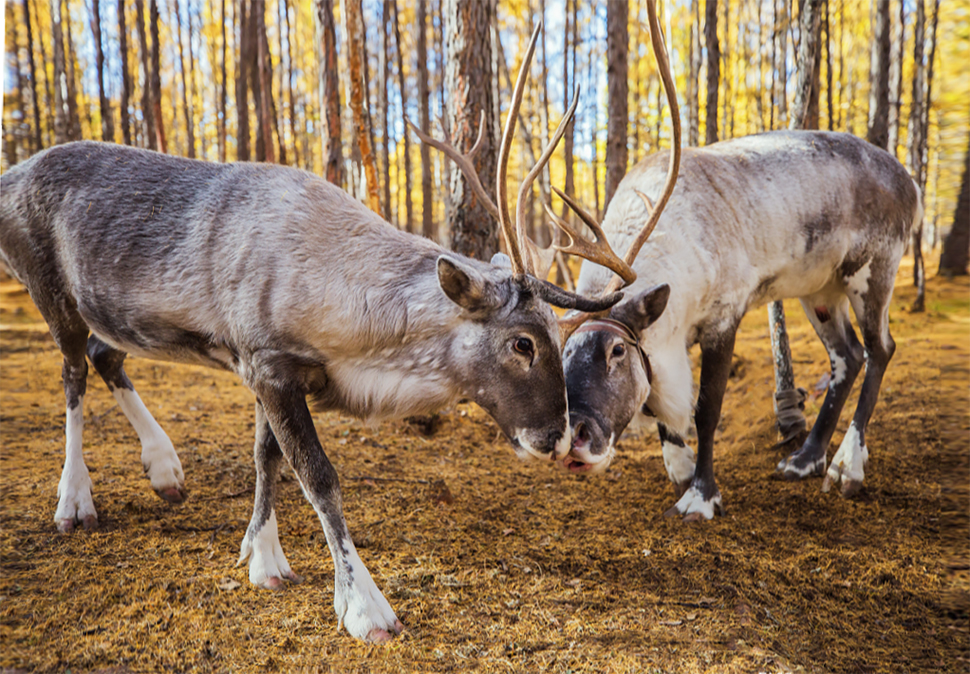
{"points": [[261, 544], [678, 459], [360, 606], [869, 290], [703, 496], [158, 456], [829, 315]]}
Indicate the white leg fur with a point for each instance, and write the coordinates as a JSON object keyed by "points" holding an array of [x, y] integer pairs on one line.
{"points": [[679, 462], [158, 455], [693, 502], [74, 502], [360, 606], [267, 563], [848, 464]]}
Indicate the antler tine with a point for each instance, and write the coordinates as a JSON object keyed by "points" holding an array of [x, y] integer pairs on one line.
{"points": [[597, 250], [655, 210], [526, 186], [501, 191], [462, 161]]}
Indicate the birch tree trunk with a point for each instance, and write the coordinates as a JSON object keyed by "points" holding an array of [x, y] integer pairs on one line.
{"points": [[915, 153], [148, 125], [62, 114], [264, 69], [780, 68], [242, 80], [878, 133], [186, 107], [896, 80], [326, 36], [156, 88]]}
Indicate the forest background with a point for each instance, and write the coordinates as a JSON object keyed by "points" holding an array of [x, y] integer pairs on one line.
{"points": [[327, 86]]}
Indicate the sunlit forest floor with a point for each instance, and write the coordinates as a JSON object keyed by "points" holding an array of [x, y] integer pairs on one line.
{"points": [[525, 569]]}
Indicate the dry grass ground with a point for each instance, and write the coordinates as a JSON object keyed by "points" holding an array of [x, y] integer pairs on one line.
{"points": [[526, 569]]}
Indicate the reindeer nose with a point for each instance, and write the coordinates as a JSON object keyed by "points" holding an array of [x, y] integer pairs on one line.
{"points": [[581, 434]]}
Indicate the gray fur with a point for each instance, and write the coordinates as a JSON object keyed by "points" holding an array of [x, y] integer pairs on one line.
{"points": [[281, 277]]}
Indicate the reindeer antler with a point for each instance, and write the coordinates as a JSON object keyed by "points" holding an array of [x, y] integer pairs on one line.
{"points": [[568, 325], [526, 257]]}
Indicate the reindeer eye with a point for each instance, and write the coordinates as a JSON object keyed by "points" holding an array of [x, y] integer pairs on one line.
{"points": [[524, 346], [618, 350]]}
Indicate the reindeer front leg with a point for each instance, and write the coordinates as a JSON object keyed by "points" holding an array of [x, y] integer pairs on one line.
{"points": [[703, 496], [360, 606]]}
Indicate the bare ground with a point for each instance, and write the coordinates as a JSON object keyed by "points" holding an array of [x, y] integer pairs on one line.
{"points": [[517, 567]]}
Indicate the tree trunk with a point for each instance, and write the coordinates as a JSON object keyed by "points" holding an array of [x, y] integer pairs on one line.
{"points": [[593, 110], [406, 151], [809, 22], [49, 102], [468, 50], [289, 79], [326, 36], [725, 100], [70, 55], [617, 48], [38, 142], [193, 87], [896, 81], [955, 258], [147, 110], [264, 68], [879, 75], [358, 98], [568, 86], [242, 84], [828, 66], [107, 127], [713, 70], [186, 109], [780, 68], [62, 116], [424, 120], [385, 74], [13, 132], [156, 93], [694, 85], [125, 73], [915, 153]]}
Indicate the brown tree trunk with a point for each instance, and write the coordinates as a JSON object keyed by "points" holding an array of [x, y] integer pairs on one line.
{"points": [[326, 36], [385, 74], [186, 109], [713, 70], [568, 86], [13, 132], [157, 79], [264, 72], [424, 121], [468, 50], [693, 81], [617, 48], [37, 141], [107, 126], [125, 73], [242, 83], [828, 66], [49, 103], [356, 35], [955, 257], [193, 88], [878, 133], [147, 110], [70, 55]]}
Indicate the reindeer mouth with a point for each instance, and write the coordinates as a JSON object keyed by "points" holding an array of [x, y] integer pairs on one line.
{"points": [[576, 466]]}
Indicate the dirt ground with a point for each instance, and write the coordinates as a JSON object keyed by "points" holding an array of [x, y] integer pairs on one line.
{"points": [[517, 567]]}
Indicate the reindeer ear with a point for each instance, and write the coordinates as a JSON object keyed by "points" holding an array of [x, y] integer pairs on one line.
{"points": [[502, 260], [645, 307], [468, 287]]}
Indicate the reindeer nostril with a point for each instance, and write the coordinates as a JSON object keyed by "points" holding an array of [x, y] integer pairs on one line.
{"points": [[581, 433]]}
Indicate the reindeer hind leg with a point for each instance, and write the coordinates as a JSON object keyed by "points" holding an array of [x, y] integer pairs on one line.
{"points": [[158, 456], [869, 290], [828, 313]]}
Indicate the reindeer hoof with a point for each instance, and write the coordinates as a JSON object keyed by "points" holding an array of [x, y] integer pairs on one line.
{"points": [[694, 517], [173, 495], [68, 525], [851, 488], [672, 512], [826, 484], [65, 526]]}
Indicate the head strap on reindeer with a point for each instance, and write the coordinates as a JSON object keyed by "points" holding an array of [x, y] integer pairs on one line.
{"points": [[623, 331]]}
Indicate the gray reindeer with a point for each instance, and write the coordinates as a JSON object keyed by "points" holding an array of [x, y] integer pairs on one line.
{"points": [[282, 278]]}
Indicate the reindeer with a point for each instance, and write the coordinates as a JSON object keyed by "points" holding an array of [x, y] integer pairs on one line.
{"points": [[282, 278], [823, 217]]}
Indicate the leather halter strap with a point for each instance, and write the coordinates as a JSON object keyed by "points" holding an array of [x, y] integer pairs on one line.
{"points": [[623, 331]]}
